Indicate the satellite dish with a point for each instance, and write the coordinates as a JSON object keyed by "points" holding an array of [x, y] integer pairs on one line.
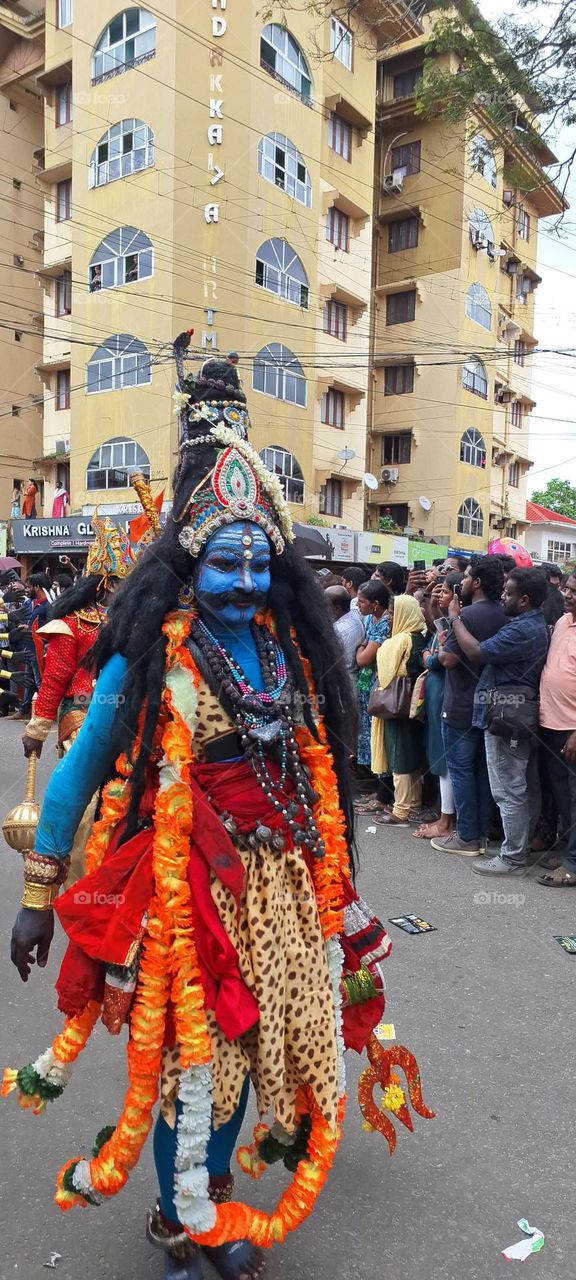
{"points": [[425, 503], [346, 455], [369, 480]]}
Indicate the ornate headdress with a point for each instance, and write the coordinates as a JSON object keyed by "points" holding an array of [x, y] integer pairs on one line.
{"points": [[110, 555], [230, 481]]}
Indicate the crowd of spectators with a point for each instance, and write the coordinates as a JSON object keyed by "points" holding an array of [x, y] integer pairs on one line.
{"points": [[466, 689]]}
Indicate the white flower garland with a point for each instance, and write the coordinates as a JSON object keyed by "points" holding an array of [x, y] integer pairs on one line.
{"points": [[82, 1183], [49, 1068], [335, 959], [196, 1210], [180, 400]]}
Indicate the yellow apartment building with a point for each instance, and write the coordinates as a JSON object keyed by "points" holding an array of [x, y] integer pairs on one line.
{"points": [[22, 131], [453, 314], [214, 172]]}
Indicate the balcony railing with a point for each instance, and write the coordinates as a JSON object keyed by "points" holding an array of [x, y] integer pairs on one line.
{"points": [[124, 66], [290, 87]]}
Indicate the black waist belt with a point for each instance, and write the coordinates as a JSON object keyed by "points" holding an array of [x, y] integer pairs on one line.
{"points": [[225, 748]]}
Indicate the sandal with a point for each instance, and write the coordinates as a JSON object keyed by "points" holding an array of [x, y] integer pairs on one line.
{"points": [[236, 1259], [560, 879], [371, 806], [388, 819], [425, 814], [430, 831]]}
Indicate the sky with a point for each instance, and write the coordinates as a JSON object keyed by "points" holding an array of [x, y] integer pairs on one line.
{"points": [[553, 421]]}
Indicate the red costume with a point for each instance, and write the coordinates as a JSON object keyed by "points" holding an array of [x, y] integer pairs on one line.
{"points": [[66, 687]]}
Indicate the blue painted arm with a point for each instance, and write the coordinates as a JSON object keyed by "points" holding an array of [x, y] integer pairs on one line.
{"points": [[83, 768]]}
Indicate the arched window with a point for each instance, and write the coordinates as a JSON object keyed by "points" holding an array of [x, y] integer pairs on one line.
{"points": [[276, 372], [121, 361], [126, 148], [129, 39], [126, 255], [280, 271], [481, 230], [281, 55], [279, 162], [113, 464], [482, 159], [470, 518], [475, 378], [288, 470], [478, 306], [473, 448]]}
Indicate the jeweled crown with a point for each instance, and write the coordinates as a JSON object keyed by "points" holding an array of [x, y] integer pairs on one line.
{"points": [[235, 485]]}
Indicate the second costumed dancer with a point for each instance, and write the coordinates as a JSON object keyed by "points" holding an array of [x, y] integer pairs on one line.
{"points": [[217, 915]]}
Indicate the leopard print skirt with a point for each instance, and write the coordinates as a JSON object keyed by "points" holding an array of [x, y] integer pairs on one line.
{"points": [[282, 960], [283, 963]]}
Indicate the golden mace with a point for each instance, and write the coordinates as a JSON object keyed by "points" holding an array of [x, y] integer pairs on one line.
{"points": [[19, 825]]}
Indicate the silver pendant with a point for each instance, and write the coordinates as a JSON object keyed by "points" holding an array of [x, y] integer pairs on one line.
{"points": [[267, 732]]}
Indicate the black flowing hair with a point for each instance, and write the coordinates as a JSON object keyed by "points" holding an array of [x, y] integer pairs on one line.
{"points": [[85, 592], [134, 629]]}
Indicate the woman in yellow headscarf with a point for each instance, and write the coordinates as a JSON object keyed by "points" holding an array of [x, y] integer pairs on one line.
{"points": [[398, 745]]}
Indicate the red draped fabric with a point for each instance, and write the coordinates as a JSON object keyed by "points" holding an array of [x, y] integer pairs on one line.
{"points": [[104, 913]]}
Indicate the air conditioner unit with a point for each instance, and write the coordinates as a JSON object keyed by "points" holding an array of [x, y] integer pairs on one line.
{"points": [[389, 475], [478, 240], [393, 183], [508, 197]]}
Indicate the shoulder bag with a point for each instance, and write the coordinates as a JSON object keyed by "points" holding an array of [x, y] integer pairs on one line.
{"points": [[392, 703]]}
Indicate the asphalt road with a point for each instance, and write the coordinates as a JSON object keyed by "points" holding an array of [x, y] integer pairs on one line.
{"points": [[487, 1004]]}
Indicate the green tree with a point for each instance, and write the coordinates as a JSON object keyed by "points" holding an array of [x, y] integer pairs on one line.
{"points": [[529, 55], [559, 495]]}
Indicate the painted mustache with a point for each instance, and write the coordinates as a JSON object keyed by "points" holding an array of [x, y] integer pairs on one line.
{"points": [[216, 601]]}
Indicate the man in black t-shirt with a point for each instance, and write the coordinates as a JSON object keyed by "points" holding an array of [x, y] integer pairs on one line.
{"points": [[462, 720]]}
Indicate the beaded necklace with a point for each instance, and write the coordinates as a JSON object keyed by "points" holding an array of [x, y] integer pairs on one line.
{"points": [[264, 719]]}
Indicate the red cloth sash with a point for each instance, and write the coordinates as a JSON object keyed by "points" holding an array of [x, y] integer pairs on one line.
{"points": [[104, 912]]}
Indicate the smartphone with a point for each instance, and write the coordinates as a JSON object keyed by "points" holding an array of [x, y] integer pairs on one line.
{"points": [[442, 624], [419, 564], [458, 590]]}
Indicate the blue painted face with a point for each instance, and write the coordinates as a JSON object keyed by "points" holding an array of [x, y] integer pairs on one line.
{"points": [[233, 576]]}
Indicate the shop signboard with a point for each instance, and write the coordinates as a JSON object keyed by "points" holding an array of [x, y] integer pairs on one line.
{"points": [[373, 548], [51, 536]]}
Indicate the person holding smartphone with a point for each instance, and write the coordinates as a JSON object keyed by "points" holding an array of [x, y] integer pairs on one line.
{"points": [[462, 723], [442, 596]]}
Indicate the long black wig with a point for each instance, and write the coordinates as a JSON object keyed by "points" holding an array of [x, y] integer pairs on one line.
{"points": [[134, 629], [84, 593]]}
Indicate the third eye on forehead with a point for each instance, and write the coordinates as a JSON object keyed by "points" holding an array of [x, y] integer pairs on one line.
{"points": [[232, 543]]}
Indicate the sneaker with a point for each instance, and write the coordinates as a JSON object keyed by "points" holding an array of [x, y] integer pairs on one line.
{"points": [[454, 844], [498, 867]]}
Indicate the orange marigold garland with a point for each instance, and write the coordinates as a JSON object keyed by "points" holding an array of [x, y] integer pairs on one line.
{"points": [[168, 970], [45, 1079]]}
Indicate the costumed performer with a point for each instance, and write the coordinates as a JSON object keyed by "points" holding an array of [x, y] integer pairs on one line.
{"points": [[212, 915], [67, 683]]}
